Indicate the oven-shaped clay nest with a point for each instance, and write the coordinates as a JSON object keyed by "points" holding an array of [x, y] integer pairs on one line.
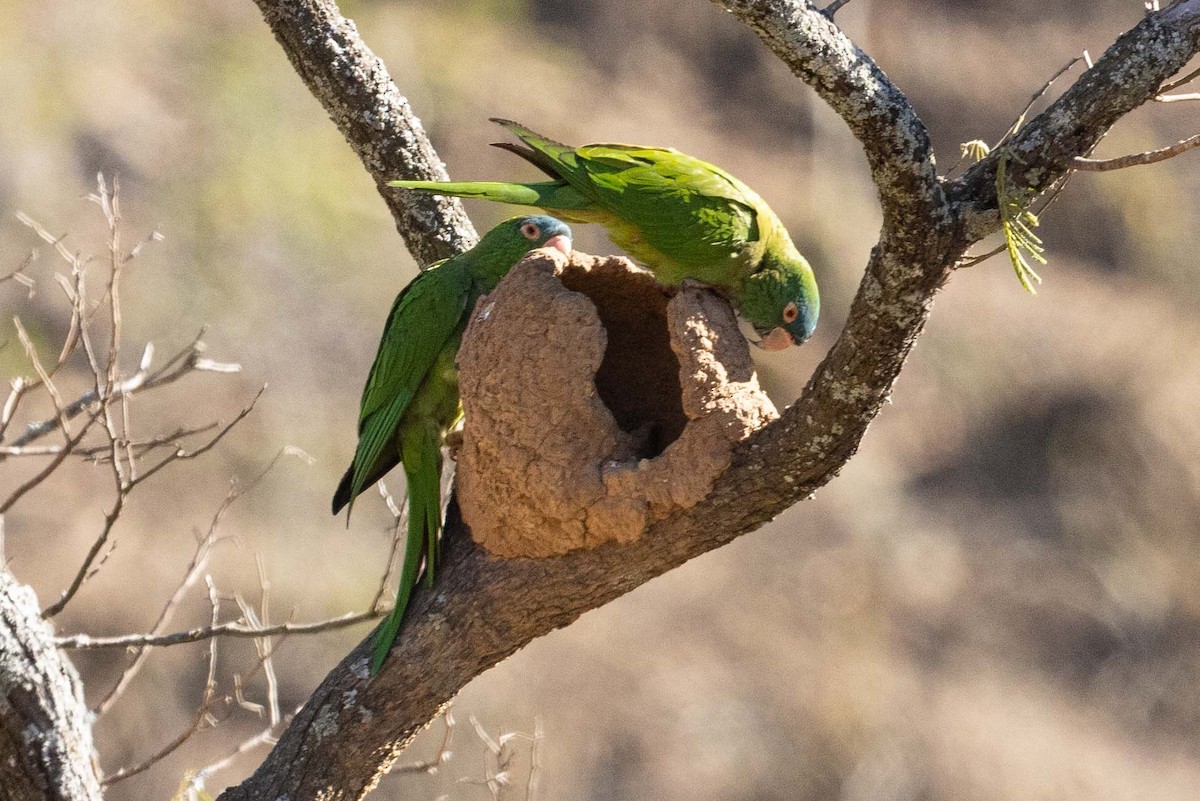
{"points": [[596, 403]]}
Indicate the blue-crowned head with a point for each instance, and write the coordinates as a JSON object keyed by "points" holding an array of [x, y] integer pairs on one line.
{"points": [[543, 231], [511, 239], [781, 301]]}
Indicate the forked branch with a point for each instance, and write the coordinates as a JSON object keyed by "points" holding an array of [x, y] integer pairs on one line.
{"points": [[483, 608]]}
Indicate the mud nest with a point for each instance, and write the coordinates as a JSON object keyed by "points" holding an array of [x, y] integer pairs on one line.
{"points": [[596, 403]]}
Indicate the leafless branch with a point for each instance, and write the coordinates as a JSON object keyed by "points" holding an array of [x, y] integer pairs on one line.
{"points": [[235, 628], [1184, 81], [19, 274], [138, 449], [833, 7], [17, 388], [264, 737], [202, 713], [44, 377], [194, 570], [32, 450], [48, 469], [187, 360], [399, 520], [535, 761], [443, 752], [183, 454], [55, 241], [262, 645], [497, 761], [1039, 94], [971, 261], [86, 569], [1137, 159]]}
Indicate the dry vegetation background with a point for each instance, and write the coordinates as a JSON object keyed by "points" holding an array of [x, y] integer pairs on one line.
{"points": [[998, 599]]}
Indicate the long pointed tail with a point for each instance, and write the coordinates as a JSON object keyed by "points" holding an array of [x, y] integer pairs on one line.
{"points": [[342, 495], [423, 469], [549, 195], [535, 140], [516, 194]]}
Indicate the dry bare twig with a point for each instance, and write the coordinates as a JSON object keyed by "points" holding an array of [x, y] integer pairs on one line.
{"points": [[497, 761], [1137, 159], [86, 569], [202, 713], [44, 377], [833, 7], [194, 570], [107, 403], [45, 472], [399, 520], [1171, 86], [184, 362], [443, 753], [20, 276], [236, 629]]}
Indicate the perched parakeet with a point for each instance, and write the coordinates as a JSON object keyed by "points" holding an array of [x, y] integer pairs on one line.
{"points": [[411, 400], [683, 218]]}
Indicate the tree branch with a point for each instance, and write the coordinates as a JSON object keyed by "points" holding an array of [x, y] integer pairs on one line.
{"points": [[892, 136], [1138, 159], [353, 85], [234, 628], [1129, 73], [484, 608]]}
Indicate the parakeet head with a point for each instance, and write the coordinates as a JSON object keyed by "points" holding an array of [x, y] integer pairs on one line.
{"points": [[518, 234], [781, 301]]}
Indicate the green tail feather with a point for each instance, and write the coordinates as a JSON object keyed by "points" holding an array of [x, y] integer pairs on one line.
{"points": [[550, 195], [423, 471], [534, 139]]}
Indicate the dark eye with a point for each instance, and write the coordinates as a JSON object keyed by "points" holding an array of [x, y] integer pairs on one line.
{"points": [[790, 312], [530, 231]]}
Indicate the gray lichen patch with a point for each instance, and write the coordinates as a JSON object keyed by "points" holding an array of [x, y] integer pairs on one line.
{"points": [[595, 404]]}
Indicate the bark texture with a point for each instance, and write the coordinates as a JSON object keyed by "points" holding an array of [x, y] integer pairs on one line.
{"points": [[485, 608], [46, 749]]}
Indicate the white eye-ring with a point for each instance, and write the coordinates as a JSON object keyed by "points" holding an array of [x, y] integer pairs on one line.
{"points": [[530, 231], [790, 312]]}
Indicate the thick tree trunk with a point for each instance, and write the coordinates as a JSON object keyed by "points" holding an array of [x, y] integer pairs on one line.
{"points": [[46, 749]]}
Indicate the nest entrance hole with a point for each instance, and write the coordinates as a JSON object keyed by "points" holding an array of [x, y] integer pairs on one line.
{"points": [[638, 379]]}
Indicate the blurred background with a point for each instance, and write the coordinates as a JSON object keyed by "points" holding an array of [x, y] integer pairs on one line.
{"points": [[999, 598]]}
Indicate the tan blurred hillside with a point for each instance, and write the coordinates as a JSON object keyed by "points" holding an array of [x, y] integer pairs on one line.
{"points": [[998, 600]]}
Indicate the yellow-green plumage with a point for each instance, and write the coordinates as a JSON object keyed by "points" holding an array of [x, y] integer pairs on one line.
{"points": [[410, 401], [680, 216]]}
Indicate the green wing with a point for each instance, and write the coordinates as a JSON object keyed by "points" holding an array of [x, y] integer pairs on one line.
{"points": [[683, 217], [423, 319], [692, 211]]}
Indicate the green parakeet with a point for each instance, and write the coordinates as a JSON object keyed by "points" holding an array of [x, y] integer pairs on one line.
{"points": [[411, 399], [683, 218]]}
